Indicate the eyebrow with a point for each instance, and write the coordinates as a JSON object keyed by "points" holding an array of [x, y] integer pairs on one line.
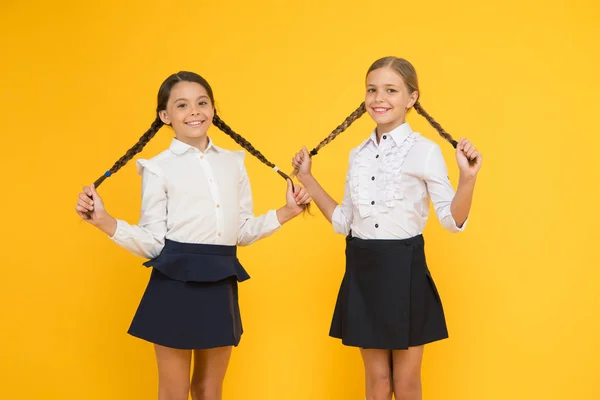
{"points": [[387, 84], [183, 99]]}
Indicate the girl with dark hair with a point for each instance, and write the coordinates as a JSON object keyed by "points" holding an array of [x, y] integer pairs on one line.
{"points": [[196, 208]]}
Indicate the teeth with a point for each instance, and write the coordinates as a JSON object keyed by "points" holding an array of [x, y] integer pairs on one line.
{"points": [[194, 123]]}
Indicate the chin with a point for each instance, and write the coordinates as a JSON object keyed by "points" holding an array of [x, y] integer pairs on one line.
{"points": [[196, 134], [383, 121]]}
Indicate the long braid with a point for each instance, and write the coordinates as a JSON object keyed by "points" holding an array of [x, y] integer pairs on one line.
{"points": [[356, 114], [142, 142], [219, 123], [435, 124], [136, 148]]}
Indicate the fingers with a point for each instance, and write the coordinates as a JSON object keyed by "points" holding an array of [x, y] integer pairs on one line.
{"points": [[471, 153], [81, 214], [465, 145], [305, 199], [81, 210], [85, 201], [297, 160], [302, 196], [468, 149], [85, 205]]}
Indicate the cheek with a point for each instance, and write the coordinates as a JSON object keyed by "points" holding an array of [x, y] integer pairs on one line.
{"points": [[401, 101]]}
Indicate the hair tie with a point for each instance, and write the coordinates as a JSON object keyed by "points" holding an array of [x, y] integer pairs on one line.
{"points": [[107, 174]]}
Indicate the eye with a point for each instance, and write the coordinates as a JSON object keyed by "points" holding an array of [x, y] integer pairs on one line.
{"points": [[392, 90], [182, 105], [203, 103], [370, 90]]}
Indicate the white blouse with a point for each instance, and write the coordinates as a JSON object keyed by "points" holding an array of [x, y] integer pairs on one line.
{"points": [[194, 197], [389, 185]]}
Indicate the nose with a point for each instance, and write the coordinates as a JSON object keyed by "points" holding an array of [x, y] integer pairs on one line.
{"points": [[379, 96], [195, 109]]}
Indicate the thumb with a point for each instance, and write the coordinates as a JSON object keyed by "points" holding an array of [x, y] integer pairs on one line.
{"points": [[305, 152], [95, 194]]}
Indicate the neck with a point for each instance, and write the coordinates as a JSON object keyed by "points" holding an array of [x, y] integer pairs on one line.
{"points": [[382, 129], [201, 143]]}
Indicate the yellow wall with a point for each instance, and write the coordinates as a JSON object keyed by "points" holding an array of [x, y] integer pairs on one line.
{"points": [[78, 85]]}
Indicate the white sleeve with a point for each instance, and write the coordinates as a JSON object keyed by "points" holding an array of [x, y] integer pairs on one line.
{"points": [[342, 216], [251, 227], [147, 238], [439, 188]]}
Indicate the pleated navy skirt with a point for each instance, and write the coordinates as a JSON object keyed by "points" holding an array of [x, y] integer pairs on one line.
{"points": [[387, 299], [191, 301]]}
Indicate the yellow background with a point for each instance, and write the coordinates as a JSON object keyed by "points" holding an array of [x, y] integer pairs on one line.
{"points": [[521, 286]]}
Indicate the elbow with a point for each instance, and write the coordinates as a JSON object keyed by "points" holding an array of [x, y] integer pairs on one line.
{"points": [[153, 249], [342, 229], [243, 241], [453, 227]]}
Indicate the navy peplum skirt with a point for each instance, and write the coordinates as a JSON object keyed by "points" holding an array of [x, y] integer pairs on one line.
{"points": [[191, 301]]}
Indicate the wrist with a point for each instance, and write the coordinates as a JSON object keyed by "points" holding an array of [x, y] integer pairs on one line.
{"points": [[286, 213], [303, 177], [467, 178], [107, 224]]}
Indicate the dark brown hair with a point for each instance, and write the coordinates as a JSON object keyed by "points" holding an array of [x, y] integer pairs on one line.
{"points": [[163, 97]]}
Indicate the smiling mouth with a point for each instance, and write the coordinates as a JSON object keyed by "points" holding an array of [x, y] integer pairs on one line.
{"points": [[194, 124], [380, 110]]}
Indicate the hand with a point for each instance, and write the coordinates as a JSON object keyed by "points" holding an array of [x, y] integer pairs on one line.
{"points": [[302, 163], [296, 201], [90, 206], [468, 158]]}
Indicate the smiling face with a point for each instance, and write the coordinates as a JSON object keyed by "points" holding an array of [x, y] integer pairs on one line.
{"points": [[189, 110], [388, 98]]}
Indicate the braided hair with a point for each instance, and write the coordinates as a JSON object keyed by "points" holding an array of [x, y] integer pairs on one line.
{"points": [[409, 75], [163, 97]]}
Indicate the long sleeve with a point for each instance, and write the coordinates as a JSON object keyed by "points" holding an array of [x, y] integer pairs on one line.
{"points": [[252, 228], [341, 219], [147, 238], [439, 188]]}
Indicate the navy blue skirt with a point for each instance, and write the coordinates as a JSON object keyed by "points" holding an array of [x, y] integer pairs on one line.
{"points": [[387, 299], [191, 301]]}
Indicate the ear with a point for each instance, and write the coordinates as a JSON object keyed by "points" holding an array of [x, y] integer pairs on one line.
{"points": [[164, 117], [414, 96]]}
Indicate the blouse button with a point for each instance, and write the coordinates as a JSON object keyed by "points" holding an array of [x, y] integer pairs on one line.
{"points": [[384, 136], [376, 225], [372, 178]]}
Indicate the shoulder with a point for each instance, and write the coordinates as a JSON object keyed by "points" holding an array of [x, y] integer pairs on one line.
{"points": [[233, 156], [154, 165]]}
